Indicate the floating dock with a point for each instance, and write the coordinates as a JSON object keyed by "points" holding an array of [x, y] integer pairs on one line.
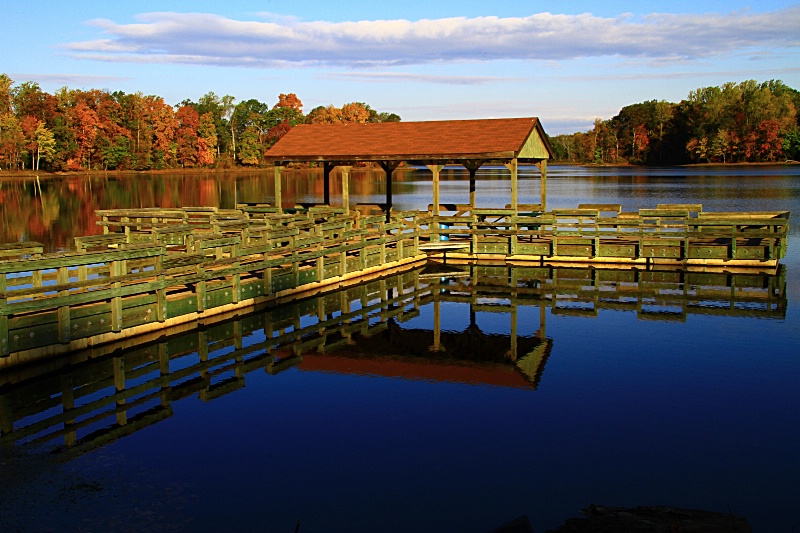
{"points": [[678, 235], [154, 268]]}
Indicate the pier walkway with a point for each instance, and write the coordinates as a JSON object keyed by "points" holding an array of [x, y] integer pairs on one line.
{"points": [[154, 268]]}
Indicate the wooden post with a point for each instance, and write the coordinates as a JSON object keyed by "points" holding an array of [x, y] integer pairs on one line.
{"points": [[346, 187], [435, 169], [543, 189], [5, 349], [388, 167], [512, 166], [277, 181], [63, 315], [472, 167], [118, 268], [326, 182]]}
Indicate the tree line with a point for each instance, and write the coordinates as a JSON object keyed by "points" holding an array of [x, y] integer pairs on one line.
{"points": [[101, 130], [744, 122]]}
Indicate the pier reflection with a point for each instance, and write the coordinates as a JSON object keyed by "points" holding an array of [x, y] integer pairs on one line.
{"points": [[393, 327]]}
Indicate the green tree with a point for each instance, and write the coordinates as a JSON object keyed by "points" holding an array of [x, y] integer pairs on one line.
{"points": [[791, 144], [249, 147], [12, 141], [45, 144], [6, 84]]}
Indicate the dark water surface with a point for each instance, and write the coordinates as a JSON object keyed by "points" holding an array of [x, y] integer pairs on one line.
{"points": [[617, 391]]}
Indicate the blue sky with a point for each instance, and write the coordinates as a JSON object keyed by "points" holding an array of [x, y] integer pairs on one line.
{"points": [[422, 60]]}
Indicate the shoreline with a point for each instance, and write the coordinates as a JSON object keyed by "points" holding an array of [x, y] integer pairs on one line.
{"points": [[77, 173]]}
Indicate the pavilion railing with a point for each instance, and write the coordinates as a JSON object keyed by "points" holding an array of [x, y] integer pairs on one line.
{"points": [[679, 232]]}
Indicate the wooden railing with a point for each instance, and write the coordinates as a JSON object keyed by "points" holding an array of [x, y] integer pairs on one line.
{"points": [[151, 266], [156, 266], [675, 232]]}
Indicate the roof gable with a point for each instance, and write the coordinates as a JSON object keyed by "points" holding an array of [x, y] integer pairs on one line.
{"points": [[490, 139]]}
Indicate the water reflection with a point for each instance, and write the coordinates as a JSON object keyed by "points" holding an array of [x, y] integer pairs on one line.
{"points": [[476, 325], [55, 210]]}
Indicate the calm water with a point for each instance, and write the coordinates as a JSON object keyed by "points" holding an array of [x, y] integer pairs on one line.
{"points": [[694, 405]]}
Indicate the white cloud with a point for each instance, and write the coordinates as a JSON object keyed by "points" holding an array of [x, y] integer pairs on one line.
{"points": [[272, 41], [70, 79], [395, 77]]}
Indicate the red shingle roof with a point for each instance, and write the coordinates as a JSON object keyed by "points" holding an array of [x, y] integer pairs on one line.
{"points": [[407, 141]]}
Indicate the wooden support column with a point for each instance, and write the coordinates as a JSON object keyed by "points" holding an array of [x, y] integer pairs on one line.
{"points": [[326, 183], [118, 268], [388, 167], [346, 187], [543, 189], [435, 169], [472, 167], [277, 182], [63, 314], [512, 166], [436, 199]]}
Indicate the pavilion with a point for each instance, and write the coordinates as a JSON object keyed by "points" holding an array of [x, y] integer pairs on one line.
{"points": [[471, 143]]}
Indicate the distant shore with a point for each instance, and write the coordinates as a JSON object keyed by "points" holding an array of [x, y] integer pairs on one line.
{"points": [[66, 174]]}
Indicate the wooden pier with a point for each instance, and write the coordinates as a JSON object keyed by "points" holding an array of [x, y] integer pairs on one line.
{"points": [[670, 234], [153, 268]]}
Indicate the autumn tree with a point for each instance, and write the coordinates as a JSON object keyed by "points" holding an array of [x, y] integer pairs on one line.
{"points": [[162, 126], [324, 115], [207, 140], [188, 122], [12, 141], [355, 112], [84, 121], [283, 116]]}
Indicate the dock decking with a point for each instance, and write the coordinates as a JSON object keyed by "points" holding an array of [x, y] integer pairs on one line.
{"points": [[670, 234], [153, 268]]}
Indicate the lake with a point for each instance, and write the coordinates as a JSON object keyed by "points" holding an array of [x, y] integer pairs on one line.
{"points": [[452, 402]]}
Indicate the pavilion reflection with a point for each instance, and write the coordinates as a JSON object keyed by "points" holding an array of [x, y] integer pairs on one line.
{"points": [[376, 328]]}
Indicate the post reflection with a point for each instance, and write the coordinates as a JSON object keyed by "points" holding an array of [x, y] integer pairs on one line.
{"points": [[396, 327]]}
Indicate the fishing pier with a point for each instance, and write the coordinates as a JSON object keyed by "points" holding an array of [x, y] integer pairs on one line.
{"points": [[152, 269]]}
